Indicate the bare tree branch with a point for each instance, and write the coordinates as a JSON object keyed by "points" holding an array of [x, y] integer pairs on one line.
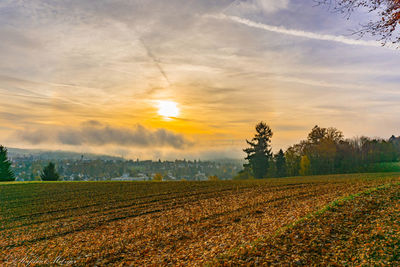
{"points": [[385, 29]]}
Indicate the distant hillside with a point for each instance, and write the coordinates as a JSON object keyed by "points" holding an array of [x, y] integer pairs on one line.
{"points": [[56, 155]]}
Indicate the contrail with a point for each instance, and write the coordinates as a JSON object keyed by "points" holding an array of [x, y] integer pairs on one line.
{"points": [[299, 33], [155, 60]]}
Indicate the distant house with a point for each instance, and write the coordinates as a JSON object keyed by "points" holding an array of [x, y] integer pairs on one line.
{"points": [[125, 177], [200, 176], [170, 177]]}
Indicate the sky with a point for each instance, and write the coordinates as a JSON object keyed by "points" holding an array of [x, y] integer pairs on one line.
{"points": [[92, 76]]}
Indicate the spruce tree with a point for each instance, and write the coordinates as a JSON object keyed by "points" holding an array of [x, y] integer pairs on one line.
{"points": [[280, 163], [6, 174], [259, 152], [49, 173]]}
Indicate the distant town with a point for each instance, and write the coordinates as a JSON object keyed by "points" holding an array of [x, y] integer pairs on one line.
{"points": [[28, 165]]}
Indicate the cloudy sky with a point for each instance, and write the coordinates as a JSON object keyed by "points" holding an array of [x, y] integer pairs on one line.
{"points": [[92, 76]]}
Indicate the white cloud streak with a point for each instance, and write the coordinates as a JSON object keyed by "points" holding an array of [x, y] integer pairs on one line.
{"points": [[297, 33], [255, 6]]}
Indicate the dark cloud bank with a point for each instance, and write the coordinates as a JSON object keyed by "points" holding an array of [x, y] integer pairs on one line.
{"points": [[95, 133]]}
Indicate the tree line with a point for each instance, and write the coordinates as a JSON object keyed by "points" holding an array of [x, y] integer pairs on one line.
{"points": [[325, 151]]}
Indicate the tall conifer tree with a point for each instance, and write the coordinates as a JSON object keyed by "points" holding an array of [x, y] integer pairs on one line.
{"points": [[6, 174], [259, 152], [280, 163]]}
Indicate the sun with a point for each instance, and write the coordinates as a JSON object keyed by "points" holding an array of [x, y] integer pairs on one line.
{"points": [[168, 109]]}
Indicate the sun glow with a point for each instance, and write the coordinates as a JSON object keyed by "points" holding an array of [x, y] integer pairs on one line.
{"points": [[168, 109]]}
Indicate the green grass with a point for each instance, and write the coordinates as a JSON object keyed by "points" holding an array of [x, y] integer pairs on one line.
{"points": [[389, 169], [385, 167]]}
